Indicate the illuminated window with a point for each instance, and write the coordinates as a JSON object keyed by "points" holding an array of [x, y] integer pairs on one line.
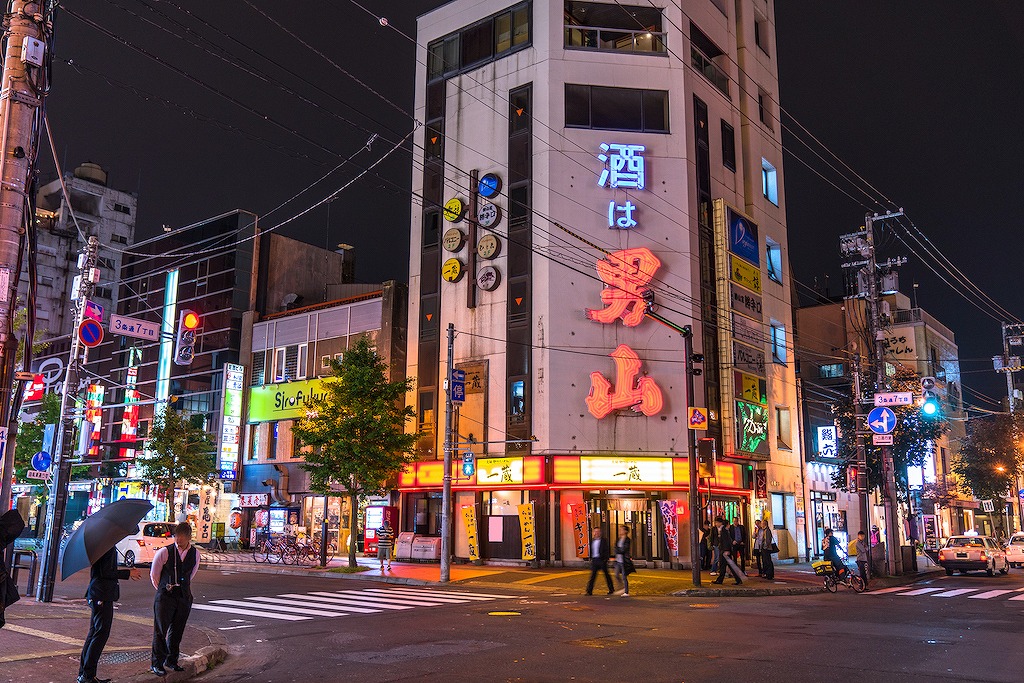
{"points": [[783, 429], [303, 361], [778, 511], [773, 260], [769, 182], [831, 371], [778, 342]]}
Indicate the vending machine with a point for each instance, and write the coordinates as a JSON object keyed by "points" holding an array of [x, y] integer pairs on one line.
{"points": [[373, 517]]}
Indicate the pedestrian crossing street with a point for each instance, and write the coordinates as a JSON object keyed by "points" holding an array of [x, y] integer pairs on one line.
{"points": [[912, 591], [342, 603]]}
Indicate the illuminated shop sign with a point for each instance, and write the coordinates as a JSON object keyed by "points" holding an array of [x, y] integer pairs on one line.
{"points": [[631, 390], [627, 275], [499, 471], [285, 401], [743, 237], [91, 429], [598, 470], [231, 428], [743, 273], [624, 168], [827, 446], [752, 428]]}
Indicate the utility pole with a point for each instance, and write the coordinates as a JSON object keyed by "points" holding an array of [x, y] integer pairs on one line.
{"points": [[449, 446], [862, 457], [64, 440], [1013, 335], [24, 76]]}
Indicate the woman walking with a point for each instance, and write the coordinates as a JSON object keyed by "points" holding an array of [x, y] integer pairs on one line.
{"points": [[767, 548], [623, 561]]}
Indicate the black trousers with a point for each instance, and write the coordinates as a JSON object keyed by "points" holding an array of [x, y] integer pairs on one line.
{"points": [[594, 569], [96, 640], [727, 563], [767, 564], [170, 614]]}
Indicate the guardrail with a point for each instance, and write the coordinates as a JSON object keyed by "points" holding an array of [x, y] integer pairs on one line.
{"points": [[25, 558]]}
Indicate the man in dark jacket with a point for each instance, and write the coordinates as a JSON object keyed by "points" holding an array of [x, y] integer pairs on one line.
{"points": [[739, 543], [725, 549], [11, 526], [103, 591], [599, 554]]}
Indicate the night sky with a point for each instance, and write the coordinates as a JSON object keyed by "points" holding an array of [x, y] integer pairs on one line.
{"points": [[920, 98]]}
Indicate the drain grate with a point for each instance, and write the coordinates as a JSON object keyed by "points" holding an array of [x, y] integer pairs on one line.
{"points": [[125, 657]]}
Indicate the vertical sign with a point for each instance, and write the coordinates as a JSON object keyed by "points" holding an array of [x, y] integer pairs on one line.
{"points": [[469, 517], [130, 416], [526, 526], [234, 378], [204, 520], [578, 513], [93, 424], [670, 517]]}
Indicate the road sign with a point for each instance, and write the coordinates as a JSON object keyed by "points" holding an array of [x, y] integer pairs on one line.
{"points": [[41, 461], [22, 376], [881, 439], [894, 398], [468, 464], [457, 386], [133, 327], [90, 333], [697, 418], [1020, 494], [36, 474], [93, 311], [988, 506], [881, 420]]}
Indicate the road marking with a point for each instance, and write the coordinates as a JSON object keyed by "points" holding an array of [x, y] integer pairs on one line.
{"points": [[989, 594], [235, 628], [344, 601], [954, 593], [38, 655], [393, 600], [250, 612], [920, 591], [1017, 597], [882, 591], [56, 637], [455, 594], [548, 577], [301, 601], [283, 608], [436, 598]]}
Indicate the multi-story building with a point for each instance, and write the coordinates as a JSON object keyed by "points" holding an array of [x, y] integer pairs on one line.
{"points": [[289, 356], [833, 339], [579, 160], [102, 211]]}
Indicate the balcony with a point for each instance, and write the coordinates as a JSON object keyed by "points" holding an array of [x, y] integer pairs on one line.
{"points": [[701, 62], [603, 39]]}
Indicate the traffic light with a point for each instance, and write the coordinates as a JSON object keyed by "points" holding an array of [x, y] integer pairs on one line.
{"points": [[930, 404], [706, 458], [185, 349], [851, 479]]}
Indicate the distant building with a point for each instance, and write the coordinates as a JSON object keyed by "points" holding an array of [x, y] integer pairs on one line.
{"points": [[102, 211], [830, 335]]}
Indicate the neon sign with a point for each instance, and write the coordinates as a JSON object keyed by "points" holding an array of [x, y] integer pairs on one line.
{"points": [[626, 274], [630, 390], [626, 168]]}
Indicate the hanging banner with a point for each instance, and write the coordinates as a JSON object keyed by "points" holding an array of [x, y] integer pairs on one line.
{"points": [[469, 517], [204, 516], [578, 512], [670, 517], [526, 526]]}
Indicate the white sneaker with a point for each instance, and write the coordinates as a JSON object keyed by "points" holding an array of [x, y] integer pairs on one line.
{"points": [[625, 595]]}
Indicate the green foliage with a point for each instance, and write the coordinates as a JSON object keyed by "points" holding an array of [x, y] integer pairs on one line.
{"points": [[30, 434], [989, 461], [911, 437], [177, 449], [355, 431]]}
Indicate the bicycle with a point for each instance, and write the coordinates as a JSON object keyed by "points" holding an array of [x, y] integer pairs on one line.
{"points": [[831, 579]]}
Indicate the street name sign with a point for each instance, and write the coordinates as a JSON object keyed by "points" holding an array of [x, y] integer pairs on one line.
{"points": [[881, 420], [881, 439], [36, 474], [133, 327], [894, 398]]}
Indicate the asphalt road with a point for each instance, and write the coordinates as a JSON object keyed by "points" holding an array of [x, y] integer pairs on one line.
{"points": [[282, 628]]}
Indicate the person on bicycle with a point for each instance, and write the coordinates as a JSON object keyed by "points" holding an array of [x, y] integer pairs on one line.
{"points": [[833, 553]]}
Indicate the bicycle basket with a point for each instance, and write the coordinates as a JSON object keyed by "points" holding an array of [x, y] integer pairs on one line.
{"points": [[822, 567]]}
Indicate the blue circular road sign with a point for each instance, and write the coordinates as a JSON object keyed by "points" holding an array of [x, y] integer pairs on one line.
{"points": [[90, 333], [41, 461], [882, 420], [489, 185]]}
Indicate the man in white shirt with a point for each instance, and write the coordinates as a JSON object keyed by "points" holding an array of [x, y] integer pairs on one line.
{"points": [[599, 554], [174, 567]]}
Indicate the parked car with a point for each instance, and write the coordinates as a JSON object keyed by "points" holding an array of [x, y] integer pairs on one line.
{"points": [[140, 547], [1015, 550], [973, 552]]}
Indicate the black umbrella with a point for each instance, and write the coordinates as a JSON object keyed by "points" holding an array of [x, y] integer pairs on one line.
{"points": [[100, 532]]}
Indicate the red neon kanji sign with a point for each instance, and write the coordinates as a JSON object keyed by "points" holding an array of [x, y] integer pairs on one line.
{"points": [[626, 275], [631, 390]]}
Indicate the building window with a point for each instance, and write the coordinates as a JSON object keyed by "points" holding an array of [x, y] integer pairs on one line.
{"points": [[778, 342], [104, 262], [613, 28], [254, 441], [272, 443], [300, 369], [479, 43], [831, 371], [630, 109], [764, 109], [703, 53], [46, 281], [122, 208], [773, 260], [728, 147], [761, 32], [279, 364], [104, 293], [783, 429], [118, 239], [769, 182], [259, 364], [778, 511]]}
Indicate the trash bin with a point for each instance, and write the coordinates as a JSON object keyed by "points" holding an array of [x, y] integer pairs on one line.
{"points": [[909, 558], [403, 545], [426, 548]]}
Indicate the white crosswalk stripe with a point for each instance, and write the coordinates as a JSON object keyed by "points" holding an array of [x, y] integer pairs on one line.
{"points": [[989, 594], [342, 603], [955, 592], [943, 592], [919, 591]]}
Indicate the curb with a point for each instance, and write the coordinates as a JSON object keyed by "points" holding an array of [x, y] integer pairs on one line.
{"points": [[747, 592], [250, 569], [203, 660]]}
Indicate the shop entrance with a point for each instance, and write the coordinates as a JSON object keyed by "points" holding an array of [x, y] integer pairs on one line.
{"points": [[827, 515], [636, 512], [422, 514]]}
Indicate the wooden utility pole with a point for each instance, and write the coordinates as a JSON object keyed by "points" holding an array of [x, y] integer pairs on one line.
{"points": [[21, 90]]}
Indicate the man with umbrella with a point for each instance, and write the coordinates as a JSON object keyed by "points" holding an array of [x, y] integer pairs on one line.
{"points": [[92, 545]]}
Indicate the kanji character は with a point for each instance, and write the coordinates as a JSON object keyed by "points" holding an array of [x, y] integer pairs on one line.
{"points": [[626, 220], [626, 274]]}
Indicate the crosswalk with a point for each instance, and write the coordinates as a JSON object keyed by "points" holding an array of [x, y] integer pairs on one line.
{"points": [[1006, 594], [342, 603]]}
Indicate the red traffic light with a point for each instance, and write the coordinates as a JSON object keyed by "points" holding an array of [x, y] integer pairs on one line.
{"points": [[190, 320]]}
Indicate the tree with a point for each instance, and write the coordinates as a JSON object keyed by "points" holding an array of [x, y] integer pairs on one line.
{"points": [[177, 449], [913, 437], [356, 430], [989, 461]]}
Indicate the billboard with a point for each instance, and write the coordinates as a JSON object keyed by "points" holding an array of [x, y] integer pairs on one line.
{"points": [[743, 239], [752, 429]]}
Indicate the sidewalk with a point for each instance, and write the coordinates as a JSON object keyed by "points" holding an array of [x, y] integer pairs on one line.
{"points": [[42, 643], [790, 579]]}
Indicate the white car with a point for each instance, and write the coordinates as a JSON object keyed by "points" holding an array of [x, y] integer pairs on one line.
{"points": [[967, 553], [140, 547], [1015, 550]]}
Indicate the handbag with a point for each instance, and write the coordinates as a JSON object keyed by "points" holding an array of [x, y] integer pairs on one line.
{"points": [[628, 566], [774, 548]]}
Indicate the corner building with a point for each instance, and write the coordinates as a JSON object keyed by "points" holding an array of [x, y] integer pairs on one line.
{"points": [[578, 159]]}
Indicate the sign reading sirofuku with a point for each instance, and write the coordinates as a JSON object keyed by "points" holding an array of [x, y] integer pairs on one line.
{"points": [[285, 401]]}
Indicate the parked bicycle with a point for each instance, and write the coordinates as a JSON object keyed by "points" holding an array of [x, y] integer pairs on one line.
{"points": [[831, 579]]}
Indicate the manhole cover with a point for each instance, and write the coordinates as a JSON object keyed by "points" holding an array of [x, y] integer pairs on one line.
{"points": [[125, 657]]}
